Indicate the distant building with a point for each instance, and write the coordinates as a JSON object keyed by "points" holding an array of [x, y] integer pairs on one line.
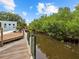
{"points": [[8, 25]]}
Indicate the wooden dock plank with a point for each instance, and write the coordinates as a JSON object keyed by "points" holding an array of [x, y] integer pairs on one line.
{"points": [[16, 50], [12, 36]]}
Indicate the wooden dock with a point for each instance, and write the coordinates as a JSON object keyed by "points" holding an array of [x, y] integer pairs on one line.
{"points": [[17, 49], [12, 36]]}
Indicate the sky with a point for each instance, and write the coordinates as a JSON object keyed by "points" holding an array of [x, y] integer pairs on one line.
{"points": [[32, 9]]}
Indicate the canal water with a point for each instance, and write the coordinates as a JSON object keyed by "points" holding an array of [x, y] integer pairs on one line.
{"points": [[49, 48]]}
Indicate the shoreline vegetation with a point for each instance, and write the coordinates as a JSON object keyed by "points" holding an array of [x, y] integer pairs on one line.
{"points": [[63, 25]]}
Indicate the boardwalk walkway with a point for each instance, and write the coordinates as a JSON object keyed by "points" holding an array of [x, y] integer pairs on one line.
{"points": [[11, 36], [16, 50]]}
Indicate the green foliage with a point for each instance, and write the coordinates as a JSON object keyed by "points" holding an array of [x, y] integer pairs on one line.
{"points": [[21, 25], [64, 24]]}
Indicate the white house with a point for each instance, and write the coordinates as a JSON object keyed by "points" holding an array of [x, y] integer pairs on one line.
{"points": [[8, 25]]}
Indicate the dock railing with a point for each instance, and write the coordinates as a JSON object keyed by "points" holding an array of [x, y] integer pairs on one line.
{"points": [[1, 39], [31, 37]]}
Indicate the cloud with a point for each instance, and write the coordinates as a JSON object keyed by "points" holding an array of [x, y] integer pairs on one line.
{"points": [[24, 13], [8, 4], [46, 8], [40, 7], [31, 7]]}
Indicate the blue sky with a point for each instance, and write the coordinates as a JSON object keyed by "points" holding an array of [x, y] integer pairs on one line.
{"points": [[30, 9]]}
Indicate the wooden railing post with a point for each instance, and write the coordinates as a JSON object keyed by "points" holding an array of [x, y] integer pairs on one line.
{"points": [[23, 33], [31, 37], [1, 44], [28, 37], [33, 43]]}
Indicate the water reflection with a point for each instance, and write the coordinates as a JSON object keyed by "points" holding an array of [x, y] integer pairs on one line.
{"points": [[54, 49], [40, 54]]}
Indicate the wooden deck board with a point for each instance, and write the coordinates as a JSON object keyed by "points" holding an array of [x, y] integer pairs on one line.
{"points": [[16, 50], [11, 36]]}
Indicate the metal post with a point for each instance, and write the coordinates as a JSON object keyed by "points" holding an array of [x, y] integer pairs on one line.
{"points": [[1, 44]]}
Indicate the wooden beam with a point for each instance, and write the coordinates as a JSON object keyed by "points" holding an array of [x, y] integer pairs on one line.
{"points": [[23, 33], [1, 43]]}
